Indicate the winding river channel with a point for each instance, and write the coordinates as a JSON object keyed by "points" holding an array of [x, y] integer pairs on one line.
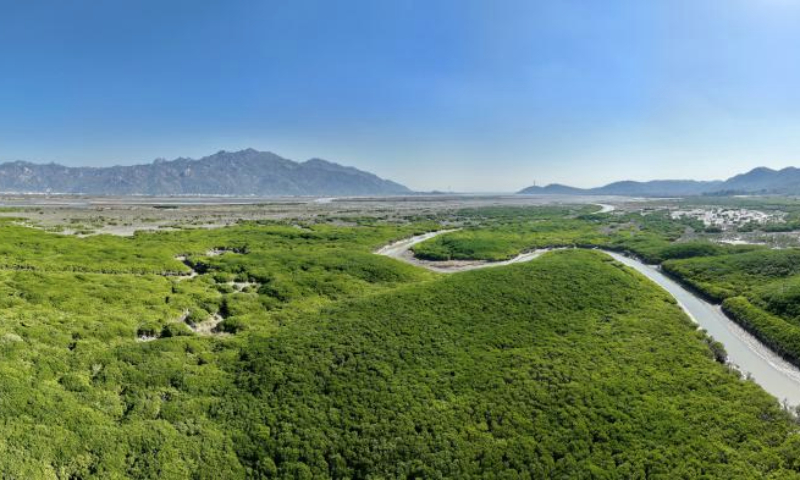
{"points": [[748, 354]]}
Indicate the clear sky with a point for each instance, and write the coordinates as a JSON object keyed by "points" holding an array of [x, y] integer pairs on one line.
{"points": [[485, 95]]}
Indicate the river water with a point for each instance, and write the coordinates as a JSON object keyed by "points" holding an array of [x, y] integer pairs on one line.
{"points": [[773, 373], [748, 354]]}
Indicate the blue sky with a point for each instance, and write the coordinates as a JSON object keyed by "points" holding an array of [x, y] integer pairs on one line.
{"points": [[471, 95]]}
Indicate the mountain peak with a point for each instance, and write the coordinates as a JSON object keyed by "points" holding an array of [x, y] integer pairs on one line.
{"points": [[326, 165], [319, 161], [761, 180], [245, 172], [759, 171]]}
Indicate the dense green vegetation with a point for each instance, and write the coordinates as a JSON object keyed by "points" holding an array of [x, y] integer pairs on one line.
{"points": [[757, 286], [728, 275], [780, 335], [323, 360], [487, 244], [759, 289], [568, 367], [502, 233], [84, 397]]}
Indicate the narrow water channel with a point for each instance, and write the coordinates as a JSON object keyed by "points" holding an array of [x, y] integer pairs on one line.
{"points": [[773, 373]]}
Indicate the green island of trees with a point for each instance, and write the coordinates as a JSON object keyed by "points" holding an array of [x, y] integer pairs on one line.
{"points": [[757, 286]]}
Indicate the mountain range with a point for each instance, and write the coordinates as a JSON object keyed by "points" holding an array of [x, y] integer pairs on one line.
{"points": [[253, 173], [246, 172], [760, 180]]}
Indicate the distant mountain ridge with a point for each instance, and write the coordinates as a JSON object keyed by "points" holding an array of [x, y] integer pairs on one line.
{"points": [[761, 180], [246, 172]]}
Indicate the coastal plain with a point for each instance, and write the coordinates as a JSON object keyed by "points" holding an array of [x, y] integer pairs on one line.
{"points": [[287, 338]]}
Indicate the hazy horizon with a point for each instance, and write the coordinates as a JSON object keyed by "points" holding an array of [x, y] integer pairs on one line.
{"points": [[447, 189], [466, 96]]}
